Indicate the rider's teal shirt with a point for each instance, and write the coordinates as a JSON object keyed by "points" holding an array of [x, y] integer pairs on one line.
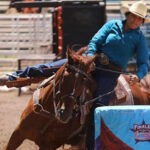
{"points": [[121, 47]]}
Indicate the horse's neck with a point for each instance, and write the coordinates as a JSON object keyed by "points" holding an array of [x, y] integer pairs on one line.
{"points": [[48, 91]]}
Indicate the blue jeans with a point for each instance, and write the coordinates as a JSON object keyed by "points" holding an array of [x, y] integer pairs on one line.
{"points": [[106, 81], [42, 70]]}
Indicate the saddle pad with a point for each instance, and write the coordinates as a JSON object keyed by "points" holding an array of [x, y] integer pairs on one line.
{"points": [[122, 128]]}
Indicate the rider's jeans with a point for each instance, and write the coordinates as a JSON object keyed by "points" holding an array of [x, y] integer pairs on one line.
{"points": [[106, 81], [42, 70]]}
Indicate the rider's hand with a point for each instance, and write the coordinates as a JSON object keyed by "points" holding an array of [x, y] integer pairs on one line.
{"points": [[104, 60], [92, 67], [133, 79]]}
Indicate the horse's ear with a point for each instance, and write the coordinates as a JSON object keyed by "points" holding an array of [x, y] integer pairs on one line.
{"points": [[69, 55], [91, 63], [92, 59]]}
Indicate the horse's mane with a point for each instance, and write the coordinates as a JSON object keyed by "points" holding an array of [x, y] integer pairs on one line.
{"points": [[48, 89]]}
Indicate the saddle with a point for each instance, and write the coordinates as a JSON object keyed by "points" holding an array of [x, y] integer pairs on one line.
{"points": [[123, 92], [120, 93]]}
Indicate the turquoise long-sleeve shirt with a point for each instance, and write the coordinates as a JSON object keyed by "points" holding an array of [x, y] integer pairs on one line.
{"points": [[121, 47]]}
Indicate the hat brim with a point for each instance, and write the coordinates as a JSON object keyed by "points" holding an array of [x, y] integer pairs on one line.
{"points": [[125, 9], [146, 20]]}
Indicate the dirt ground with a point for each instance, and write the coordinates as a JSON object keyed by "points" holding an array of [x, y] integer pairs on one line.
{"points": [[11, 107]]}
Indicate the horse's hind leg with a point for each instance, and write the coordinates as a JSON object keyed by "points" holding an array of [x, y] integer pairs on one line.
{"points": [[15, 140]]}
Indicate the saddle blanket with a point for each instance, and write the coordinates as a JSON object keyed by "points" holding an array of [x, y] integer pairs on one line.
{"points": [[122, 128]]}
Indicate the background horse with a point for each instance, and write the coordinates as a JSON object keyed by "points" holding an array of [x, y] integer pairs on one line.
{"points": [[41, 120]]}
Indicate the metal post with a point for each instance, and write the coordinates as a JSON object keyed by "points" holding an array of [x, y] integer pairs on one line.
{"points": [[19, 68], [44, 21]]}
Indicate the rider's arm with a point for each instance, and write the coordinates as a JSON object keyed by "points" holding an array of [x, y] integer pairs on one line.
{"points": [[142, 57], [99, 38]]}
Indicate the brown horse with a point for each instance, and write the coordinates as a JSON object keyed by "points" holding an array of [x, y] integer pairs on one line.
{"points": [[58, 116], [43, 119]]}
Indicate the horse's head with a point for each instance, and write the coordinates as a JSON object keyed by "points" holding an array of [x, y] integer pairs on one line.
{"points": [[77, 81], [71, 82], [80, 67]]}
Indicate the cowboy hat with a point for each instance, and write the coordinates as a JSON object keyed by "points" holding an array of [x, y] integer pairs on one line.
{"points": [[138, 8]]}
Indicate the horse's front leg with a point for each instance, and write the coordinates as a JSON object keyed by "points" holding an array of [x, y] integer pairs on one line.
{"points": [[15, 140], [25, 129]]}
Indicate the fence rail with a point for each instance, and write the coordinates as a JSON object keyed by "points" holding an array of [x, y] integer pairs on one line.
{"points": [[4, 4], [25, 31], [24, 36]]}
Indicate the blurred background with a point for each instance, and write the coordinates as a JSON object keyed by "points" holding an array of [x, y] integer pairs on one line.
{"points": [[34, 32]]}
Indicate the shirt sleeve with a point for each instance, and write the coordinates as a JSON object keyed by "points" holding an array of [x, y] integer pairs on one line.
{"points": [[142, 57], [99, 38]]}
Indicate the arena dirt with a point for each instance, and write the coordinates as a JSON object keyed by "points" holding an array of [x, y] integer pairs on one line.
{"points": [[11, 107]]}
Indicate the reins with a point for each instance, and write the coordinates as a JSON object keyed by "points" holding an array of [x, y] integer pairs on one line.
{"points": [[110, 70], [98, 97], [72, 94], [77, 70], [57, 95], [105, 94]]}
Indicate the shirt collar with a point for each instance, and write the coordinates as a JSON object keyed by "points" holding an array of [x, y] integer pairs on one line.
{"points": [[120, 24]]}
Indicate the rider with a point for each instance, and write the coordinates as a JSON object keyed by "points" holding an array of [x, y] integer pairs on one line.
{"points": [[119, 47], [117, 41]]}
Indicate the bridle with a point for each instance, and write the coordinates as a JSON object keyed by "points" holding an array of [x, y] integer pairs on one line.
{"points": [[77, 70], [58, 94], [71, 95]]}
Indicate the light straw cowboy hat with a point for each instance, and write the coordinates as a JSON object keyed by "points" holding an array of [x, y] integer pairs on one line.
{"points": [[138, 8]]}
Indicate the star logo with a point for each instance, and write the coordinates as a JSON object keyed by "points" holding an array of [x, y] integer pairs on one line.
{"points": [[142, 132]]}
